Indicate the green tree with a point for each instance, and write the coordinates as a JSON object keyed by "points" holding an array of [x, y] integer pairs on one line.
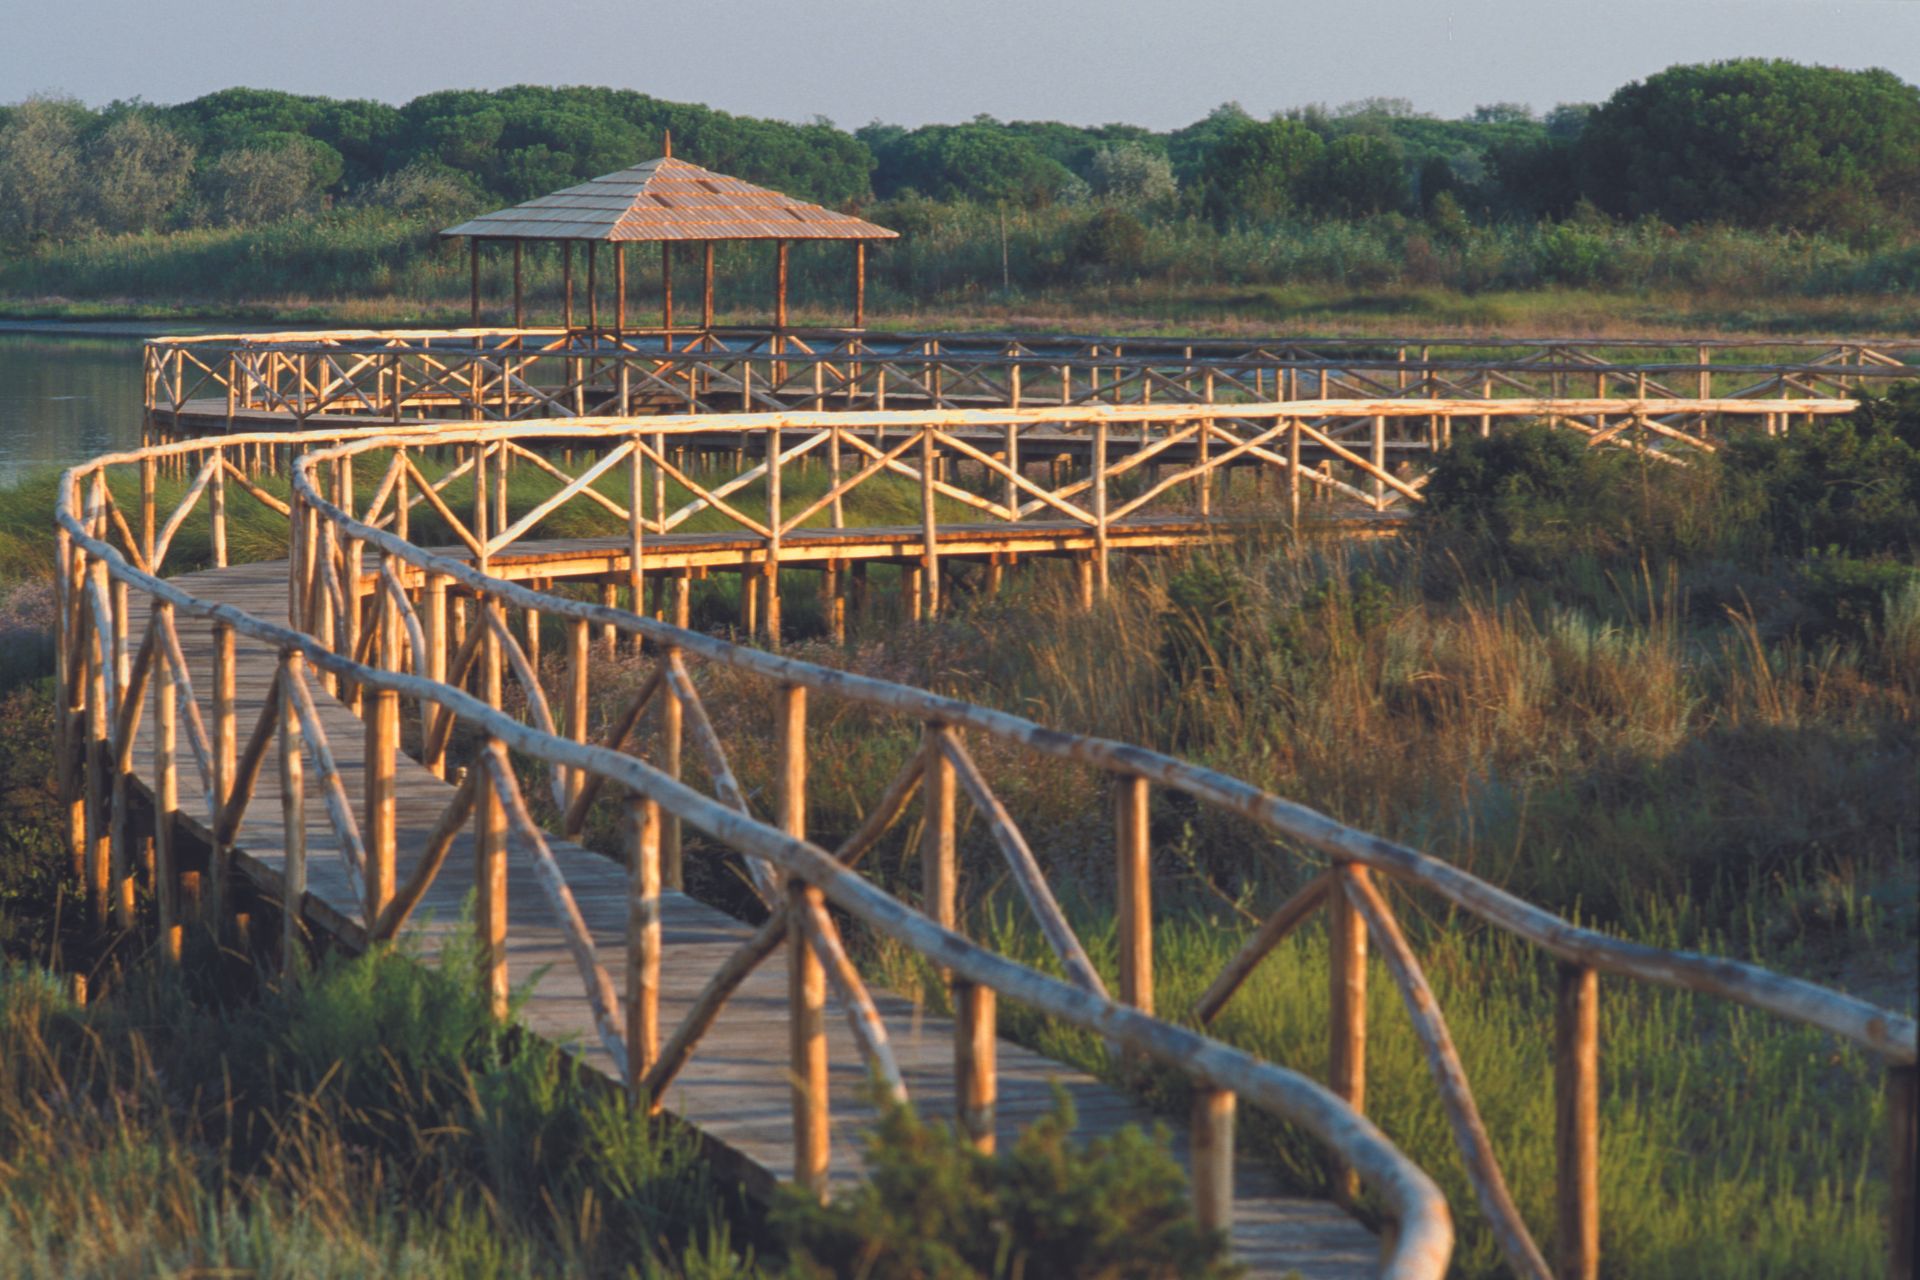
{"points": [[1759, 143], [981, 160], [1260, 171], [251, 185], [1361, 174], [42, 180], [1132, 173], [138, 169]]}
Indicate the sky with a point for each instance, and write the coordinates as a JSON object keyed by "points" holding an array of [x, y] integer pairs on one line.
{"points": [[1151, 62]]}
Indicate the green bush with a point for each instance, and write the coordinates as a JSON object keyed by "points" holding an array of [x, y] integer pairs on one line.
{"points": [[1850, 487], [1115, 1207]]}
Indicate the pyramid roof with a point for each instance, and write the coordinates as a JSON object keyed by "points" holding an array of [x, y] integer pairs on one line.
{"points": [[667, 199]]}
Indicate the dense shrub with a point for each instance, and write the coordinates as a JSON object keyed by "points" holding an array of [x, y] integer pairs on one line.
{"points": [[1851, 486], [1115, 1207]]}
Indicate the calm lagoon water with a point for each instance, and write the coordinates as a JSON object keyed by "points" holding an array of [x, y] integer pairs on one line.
{"points": [[64, 398]]}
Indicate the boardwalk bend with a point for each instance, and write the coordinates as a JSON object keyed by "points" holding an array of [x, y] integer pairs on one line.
{"points": [[280, 731]]}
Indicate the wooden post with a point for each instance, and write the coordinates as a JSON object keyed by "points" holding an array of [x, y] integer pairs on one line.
{"points": [[1100, 506], [666, 289], [96, 845], [806, 978], [780, 284], [490, 833], [706, 286], [1293, 475], [1379, 460], [579, 657], [566, 284], [637, 527], [1347, 1021], [473, 280], [609, 634], [382, 711], [975, 1082], [929, 535], [1212, 1155], [148, 479], [771, 570], [859, 284], [519, 307], [1576, 1130], [225, 752], [293, 814], [1903, 1132], [620, 292], [643, 943], [434, 598], [166, 792], [672, 871], [938, 874], [217, 508], [593, 282], [1135, 924]]}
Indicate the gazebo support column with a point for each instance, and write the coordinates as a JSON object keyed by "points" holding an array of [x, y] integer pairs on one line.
{"points": [[859, 284], [593, 290], [473, 280], [566, 283], [780, 286], [519, 301], [706, 289], [666, 290], [619, 288]]}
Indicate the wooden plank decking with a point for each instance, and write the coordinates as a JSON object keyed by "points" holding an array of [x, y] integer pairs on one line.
{"points": [[735, 1091]]}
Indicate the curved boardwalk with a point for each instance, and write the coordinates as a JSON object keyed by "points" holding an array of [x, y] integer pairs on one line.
{"points": [[734, 1092], [762, 1083]]}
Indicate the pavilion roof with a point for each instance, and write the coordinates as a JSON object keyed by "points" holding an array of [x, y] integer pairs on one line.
{"points": [[668, 199]]}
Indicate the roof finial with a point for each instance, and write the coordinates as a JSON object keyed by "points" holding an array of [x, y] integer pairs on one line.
{"points": [[666, 145]]}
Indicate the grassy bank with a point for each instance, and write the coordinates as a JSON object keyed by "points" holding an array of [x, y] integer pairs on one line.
{"points": [[1064, 267]]}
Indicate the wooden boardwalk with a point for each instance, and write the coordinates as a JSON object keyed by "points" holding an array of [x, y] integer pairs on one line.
{"points": [[735, 1092]]}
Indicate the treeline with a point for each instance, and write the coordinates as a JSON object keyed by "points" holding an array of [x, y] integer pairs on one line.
{"points": [[1764, 146]]}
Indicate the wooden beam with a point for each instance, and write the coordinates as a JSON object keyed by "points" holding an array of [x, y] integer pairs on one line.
{"points": [[519, 301], [619, 288], [1903, 1204], [975, 1086], [780, 285], [666, 288], [860, 284], [706, 287], [593, 284], [1212, 1155], [1135, 922], [1576, 1130], [1347, 1022]]}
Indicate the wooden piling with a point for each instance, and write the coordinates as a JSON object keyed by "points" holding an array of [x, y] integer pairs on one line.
{"points": [[1576, 1097]]}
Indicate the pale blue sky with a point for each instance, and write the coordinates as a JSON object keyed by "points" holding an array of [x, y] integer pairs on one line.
{"points": [[1150, 62]]}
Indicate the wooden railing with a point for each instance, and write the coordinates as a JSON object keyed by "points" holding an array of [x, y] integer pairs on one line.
{"points": [[493, 374], [105, 681], [371, 619]]}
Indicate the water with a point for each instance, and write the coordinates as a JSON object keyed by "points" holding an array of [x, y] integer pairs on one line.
{"points": [[65, 398]]}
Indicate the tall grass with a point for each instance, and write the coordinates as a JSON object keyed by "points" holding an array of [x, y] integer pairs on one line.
{"points": [[364, 263], [369, 1117]]}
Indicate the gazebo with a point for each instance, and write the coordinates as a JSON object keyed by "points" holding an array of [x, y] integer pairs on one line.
{"points": [[664, 200]]}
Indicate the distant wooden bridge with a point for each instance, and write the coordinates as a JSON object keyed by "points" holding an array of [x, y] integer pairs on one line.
{"points": [[295, 683]]}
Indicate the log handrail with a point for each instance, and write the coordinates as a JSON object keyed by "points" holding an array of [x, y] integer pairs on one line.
{"points": [[1422, 1241]]}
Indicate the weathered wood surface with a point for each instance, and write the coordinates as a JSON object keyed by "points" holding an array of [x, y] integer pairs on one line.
{"points": [[735, 1090]]}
